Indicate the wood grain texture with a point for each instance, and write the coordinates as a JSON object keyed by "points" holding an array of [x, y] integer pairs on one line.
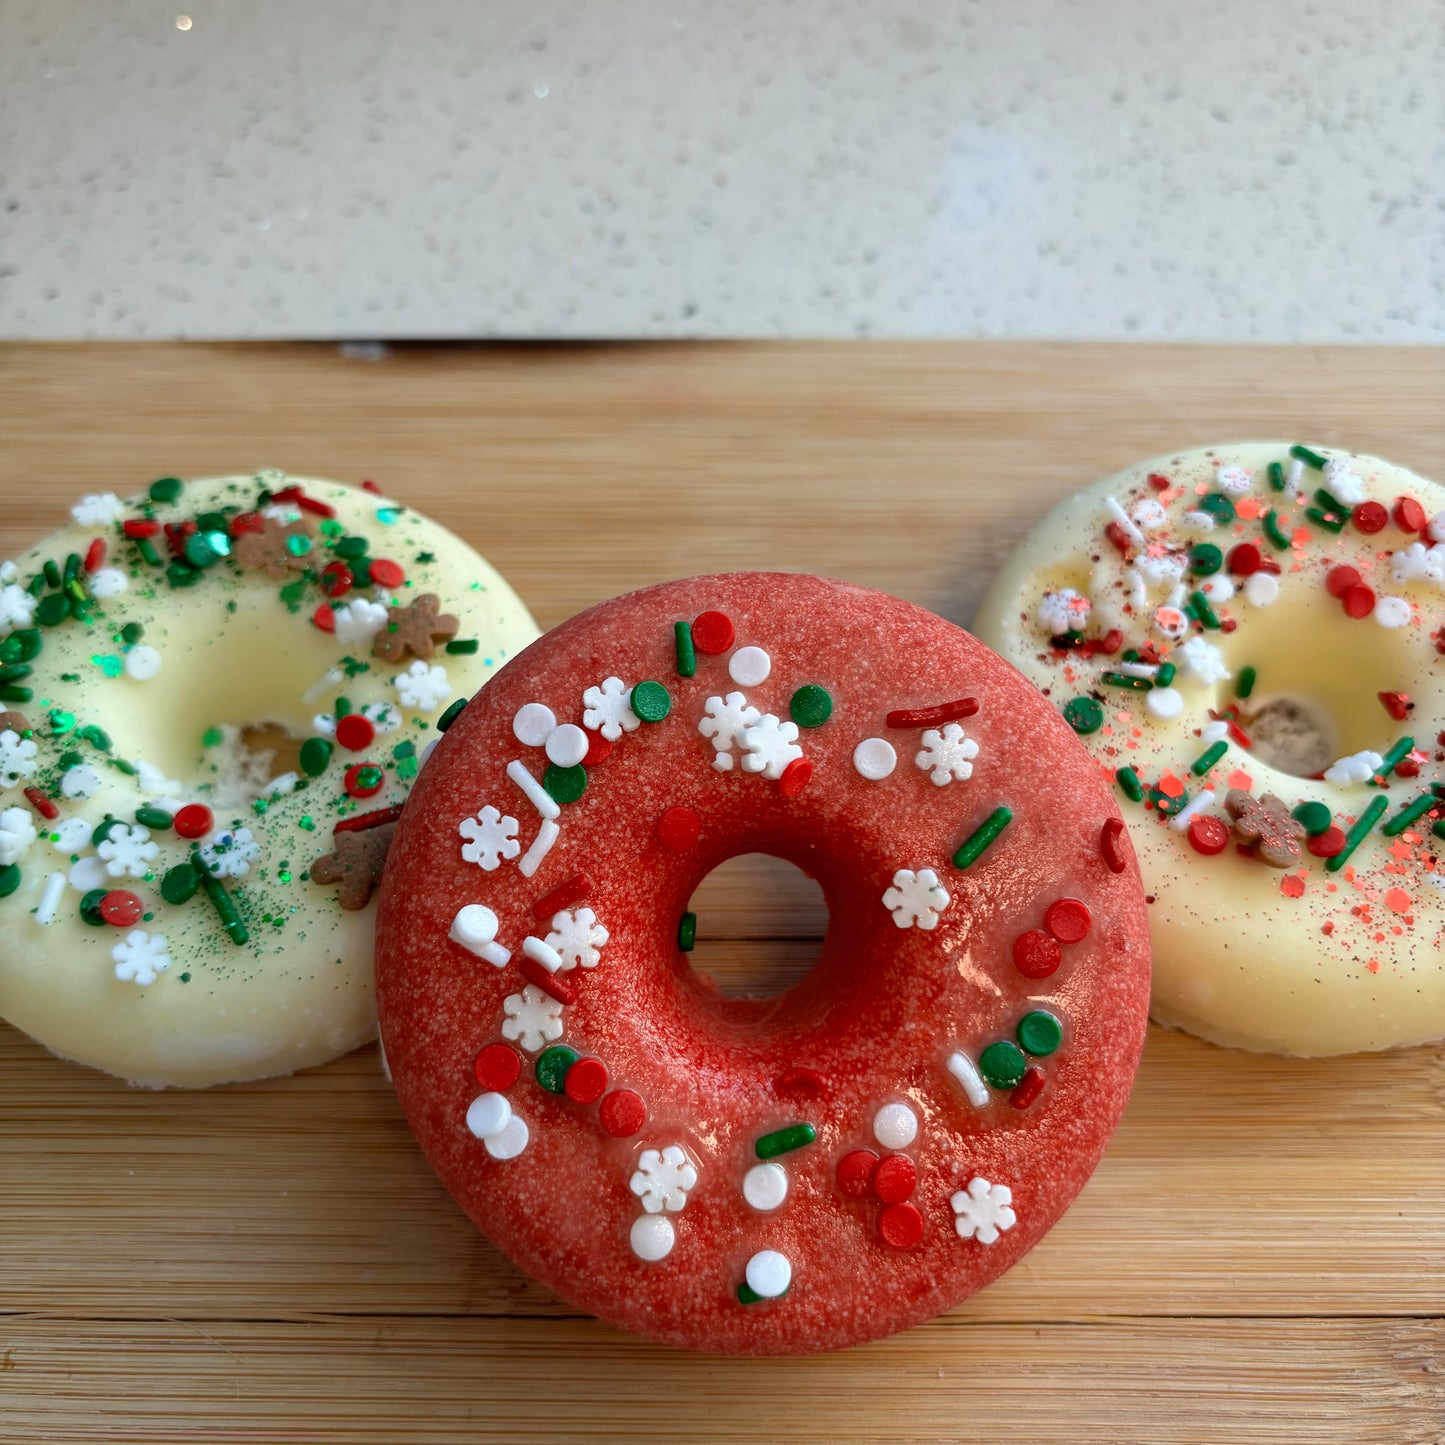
{"points": [[1261, 1255]]}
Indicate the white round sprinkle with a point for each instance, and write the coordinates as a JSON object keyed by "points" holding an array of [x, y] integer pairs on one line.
{"points": [[89, 874], [1217, 588], [1261, 589], [1392, 612], [895, 1126], [769, 1274], [875, 758], [1164, 702], [511, 1141], [107, 582], [79, 782], [488, 1115], [749, 666], [765, 1186], [652, 1237], [70, 835], [475, 924], [533, 724], [142, 662], [566, 745]]}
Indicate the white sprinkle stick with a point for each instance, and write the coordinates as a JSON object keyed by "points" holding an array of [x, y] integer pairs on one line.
{"points": [[1292, 478], [531, 860], [1124, 520], [1139, 669], [962, 1069], [1197, 804], [50, 899], [537, 795], [323, 684], [542, 952]]}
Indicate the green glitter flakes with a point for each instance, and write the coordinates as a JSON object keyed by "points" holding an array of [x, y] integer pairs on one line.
{"points": [[109, 664]]}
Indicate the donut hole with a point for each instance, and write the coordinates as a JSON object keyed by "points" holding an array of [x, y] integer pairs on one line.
{"points": [[1293, 736], [760, 924]]}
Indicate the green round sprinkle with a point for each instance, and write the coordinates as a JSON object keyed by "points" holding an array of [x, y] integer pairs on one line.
{"points": [[1205, 559], [167, 489], [90, 907], [212, 521], [1002, 1064], [132, 633], [552, 1066], [54, 608], [180, 883], [388, 516], [453, 712], [298, 546], [811, 706], [9, 880], [153, 818], [21, 646], [1219, 507], [1166, 806], [1314, 816], [566, 785], [315, 755], [351, 547], [1083, 714], [650, 701], [687, 932], [103, 830], [1039, 1033], [198, 551]]}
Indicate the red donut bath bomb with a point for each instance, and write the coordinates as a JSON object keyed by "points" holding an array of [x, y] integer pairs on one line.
{"points": [[762, 1176]]}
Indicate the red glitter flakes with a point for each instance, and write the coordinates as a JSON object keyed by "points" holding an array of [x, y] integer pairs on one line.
{"points": [[355, 733], [900, 1225], [565, 895], [1359, 602], [121, 908], [498, 1067], [795, 777], [895, 1179], [549, 983], [1396, 900], [95, 555], [1208, 835], [1028, 1088], [362, 780], [855, 1174], [1370, 517], [1409, 515], [324, 618], [1292, 886], [598, 750], [1036, 954], [678, 829], [622, 1113], [1068, 920], [1397, 704], [1339, 580], [336, 579], [1111, 845], [712, 633], [386, 573], [195, 820], [1328, 843], [932, 717], [1244, 559], [586, 1081], [41, 804]]}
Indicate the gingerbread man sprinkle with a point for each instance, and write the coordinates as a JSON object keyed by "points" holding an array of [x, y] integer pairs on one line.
{"points": [[414, 628], [1264, 824], [272, 548], [356, 864]]}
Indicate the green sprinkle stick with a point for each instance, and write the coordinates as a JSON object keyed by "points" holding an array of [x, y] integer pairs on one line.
{"points": [[974, 845], [1394, 757], [1309, 458], [1408, 814], [1199, 605], [1117, 679], [222, 902], [1358, 833], [1165, 674], [1244, 685], [784, 1141], [686, 653], [1276, 476], [1129, 784], [1323, 519], [1208, 758], [463, 646], [1275, 532]]}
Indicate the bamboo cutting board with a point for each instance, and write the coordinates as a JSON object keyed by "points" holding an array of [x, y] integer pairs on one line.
{"points": [[1261, 1256]]}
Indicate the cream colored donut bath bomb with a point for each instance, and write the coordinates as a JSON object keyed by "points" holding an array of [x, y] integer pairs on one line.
{"points": [[218, 694], [1249, 640]]}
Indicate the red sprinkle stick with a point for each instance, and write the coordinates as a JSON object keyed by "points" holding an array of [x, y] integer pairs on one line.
{"points": [[307, 504], [533, 972], [927, 717], [359, 821], [564, 895], [41, 803]]}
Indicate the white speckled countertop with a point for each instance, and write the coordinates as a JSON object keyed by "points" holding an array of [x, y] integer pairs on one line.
{"points": [[1223, 169]]}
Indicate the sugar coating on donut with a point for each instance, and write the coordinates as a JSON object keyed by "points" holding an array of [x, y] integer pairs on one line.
{"points": [[215, 698], [1249, 639], [787, 1174]]}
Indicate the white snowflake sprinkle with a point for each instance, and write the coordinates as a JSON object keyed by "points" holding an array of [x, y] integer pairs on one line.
{"points": [[17, 607], [1203, 661], [1417, 563], [99, 509], [424, 687], [1343, 483], [947, 755], [916, 899], [1161, 571], [576, 938], [663, 1178], [983, 1210], [78, 782], [140, 957], [231, 854], [1233, 481], [533, 1018], [17, 833], [493, 837], [17, 758], [608, 709], [1149, 514], [1353, 770], [1063, 611], [357, 622], [725, 721], [127, 850], [1435, 528], [769, 746]]}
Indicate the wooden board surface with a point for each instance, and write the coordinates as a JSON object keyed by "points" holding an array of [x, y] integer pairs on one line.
{"points": [[1262, 1254]]}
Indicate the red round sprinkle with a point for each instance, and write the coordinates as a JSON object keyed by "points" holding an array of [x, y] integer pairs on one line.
{"points": [[1158, 481], [900, 1225], [121, 907], [1208, 835], [336, 578], [1407, 768], [795, 777], [1029, 1087], [194, 821], [138, 527], [586, 1081], [1370, 517], [386, 573], [855, 1173], [895, 1179], [95, 555], [1036, 954], [1068, 920], [368, 485], [355, 732], [622, 1113], [41, 803], [678, 829], [1359, 602], [598, 750], [1339, 580], [1409, 515], [359, 787], [324, 618], [1244, 559], [498, 1067], [712, 632], [1328, 843], [1397, 704], [1111, 845]]}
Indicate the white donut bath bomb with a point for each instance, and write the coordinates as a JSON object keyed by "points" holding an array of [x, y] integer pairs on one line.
{"points": [[1249, 639], [218, 694]]}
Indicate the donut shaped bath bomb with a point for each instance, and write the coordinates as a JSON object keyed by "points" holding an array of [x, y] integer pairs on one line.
{"points": [[787, 1174], [218, 694], [1248, 639]]}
